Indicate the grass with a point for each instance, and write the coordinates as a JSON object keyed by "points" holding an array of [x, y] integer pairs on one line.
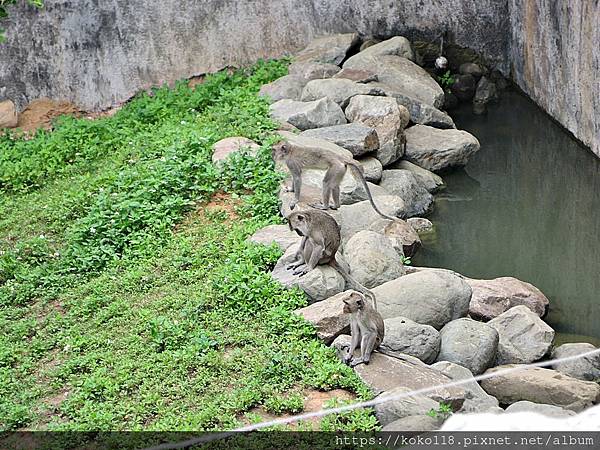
{"points": [[127, 301]]}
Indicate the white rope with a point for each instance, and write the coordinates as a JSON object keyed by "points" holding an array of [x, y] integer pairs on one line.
{"points": [[367, 404]]}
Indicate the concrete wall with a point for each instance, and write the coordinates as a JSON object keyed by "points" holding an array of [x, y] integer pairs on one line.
{"points": [[97, 53]]}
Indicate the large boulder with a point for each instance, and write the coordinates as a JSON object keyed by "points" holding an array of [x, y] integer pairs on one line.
{"points": [[372, 259], [470, 68], [524, 337], [329, 49], [405, 185], [328, 317], [464, 87], [275, 234], [8, 114], [422, 422], [421, 225], [309, 70], [429, 297], [358, 75], [539, 408], [404, 238], [424, 114], [372, 168], [485, 92], [476, 399], [404, 336], [469, 343], [225, 147], [493, 297], [435, 149], [340, 90], [387, 118], [354, 137], [429, 180], [305, 115], [384, 373], [540, 386], [395, 46], [321, 283], [407, 406], [288, 86], [586, 368]]}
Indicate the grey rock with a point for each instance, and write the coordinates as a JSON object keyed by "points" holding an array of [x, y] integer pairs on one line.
{"points": [[328, 317], [428, 297], [321, 283], [470, 344], [404, 336], [476, 399], [329, 49], [225, 147], [424, 114], [404, 238], [305, 115], [357, 75], [313, 70], [493, 297], [392, 411], [485, 92], [539, 408], [586, 368], [435, 149], [464, 87], [275, 234], [470, 68], [541, 386], [415, 424], [340, 90], [354, 137], [405, 185], [8, 114], [388, 119], [420, 225], [368, 43], [396, 46], [372, 168], [372, 259], [429, 180], [288, 86], [524, 337]]}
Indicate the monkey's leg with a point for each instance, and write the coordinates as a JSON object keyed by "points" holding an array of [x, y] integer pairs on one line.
{"points": [[317, 253], [366, 347], [338, 175], [355, 333], [299, 255], [296, 172]]}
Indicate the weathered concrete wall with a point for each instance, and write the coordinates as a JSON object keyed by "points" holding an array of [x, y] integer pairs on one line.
{"points": [[555, 59]]}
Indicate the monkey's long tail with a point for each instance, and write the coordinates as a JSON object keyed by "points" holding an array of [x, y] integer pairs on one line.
{"points": [[352, 282], [360, 175]]}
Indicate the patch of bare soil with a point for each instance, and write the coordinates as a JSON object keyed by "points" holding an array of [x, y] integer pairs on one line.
{"points": [[40, 113]]}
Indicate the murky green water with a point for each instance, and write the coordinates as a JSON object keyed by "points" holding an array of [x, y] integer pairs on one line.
{"points": [[527, 205]]}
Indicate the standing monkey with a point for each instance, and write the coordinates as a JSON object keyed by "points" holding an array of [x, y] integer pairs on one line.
{"points": [[320, 242], [297, 158], [366, 327]]}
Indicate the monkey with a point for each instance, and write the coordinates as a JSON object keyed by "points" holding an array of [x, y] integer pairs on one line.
{"points": [[320, 242], [297, 158], [366, 328]]}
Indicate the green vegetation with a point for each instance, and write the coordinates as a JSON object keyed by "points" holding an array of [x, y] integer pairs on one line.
{"points": [[4, 13], [446, 80], [127, 301], [443, 411]]}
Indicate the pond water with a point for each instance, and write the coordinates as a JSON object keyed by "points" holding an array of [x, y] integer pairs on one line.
{"points": [[527, 205]]}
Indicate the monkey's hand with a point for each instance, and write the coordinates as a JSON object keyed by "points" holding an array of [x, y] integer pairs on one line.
{"points": [[356, 361], [348, 357], [288, 188], [293, 265], [302, 270]]}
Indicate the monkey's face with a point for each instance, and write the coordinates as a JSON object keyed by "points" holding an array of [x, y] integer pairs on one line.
{"points": [[280, 151], [353, 303], [298, 222]]}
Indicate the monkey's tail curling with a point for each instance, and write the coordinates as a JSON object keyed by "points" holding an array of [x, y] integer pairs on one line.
{"points": [[360, 175], [353, 283]]}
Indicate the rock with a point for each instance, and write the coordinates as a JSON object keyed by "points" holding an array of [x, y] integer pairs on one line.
{"points": [[360, 216], [354, 137], [435, 149], [339, 90], [429, 180], [424, 114], [405, 185], [8, 114], [493, 297], [476, 399], [384, 373], [368, 43], [372, 168], [428, 297], [372, 259], [330, 49], [541, 386], [386, 117], [285, 126], [404, 238], [305, 115], [321, 283], [415, 423], [313, 70], [225, 147], [586, 368], [357, 75], [464, 87], [276, 234], [470, 344], [486, 92], [390, 412], [524, 337], [327, 317], [472, 69], [420, 224], [539, 408], [396, 46], [403, 336], [286, 87]]}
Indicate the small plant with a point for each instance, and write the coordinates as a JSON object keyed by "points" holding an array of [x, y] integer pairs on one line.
{"points": [[279, 404], [442, 412], [406, 260], [447, 80]]}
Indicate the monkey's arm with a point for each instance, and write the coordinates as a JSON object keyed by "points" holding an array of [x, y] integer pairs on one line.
{"points": [[315, 256], [299, 255]]}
